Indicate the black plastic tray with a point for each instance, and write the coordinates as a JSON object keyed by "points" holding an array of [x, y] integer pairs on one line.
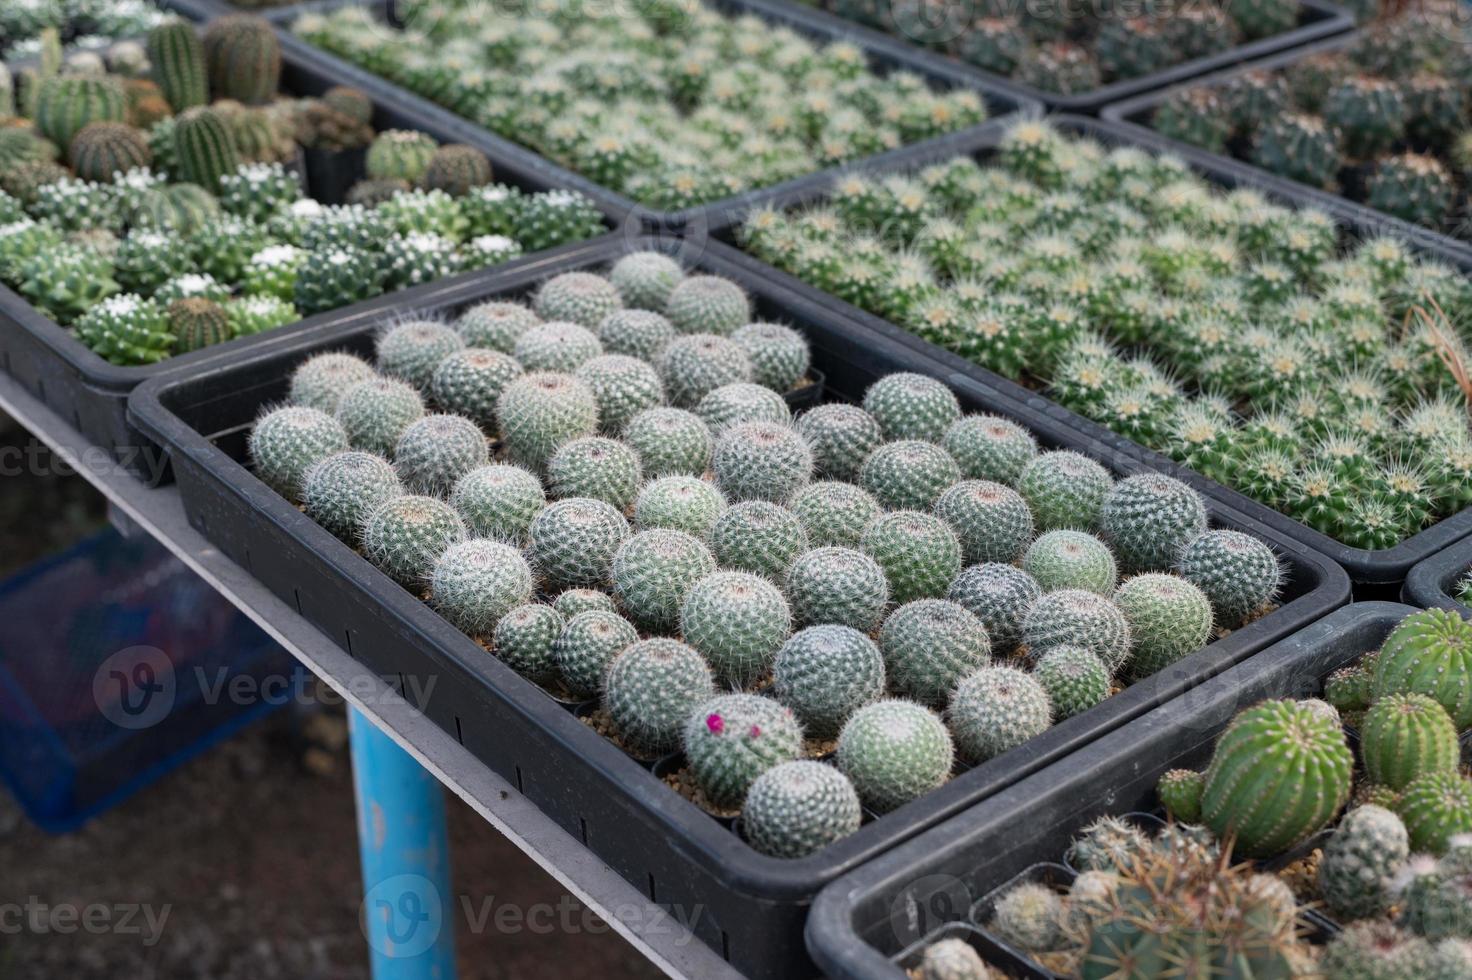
{"points": [[752, 907], [1376, 574], [1137, 113], [695, 223], [1316, 19], [1432, 581], [91, 393], [864, 924]]}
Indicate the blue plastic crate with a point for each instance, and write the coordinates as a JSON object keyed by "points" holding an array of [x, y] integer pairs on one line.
{"points": [[118, 664]]}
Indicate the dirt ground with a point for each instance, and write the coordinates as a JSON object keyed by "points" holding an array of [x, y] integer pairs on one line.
{"points": [[249, 849]]}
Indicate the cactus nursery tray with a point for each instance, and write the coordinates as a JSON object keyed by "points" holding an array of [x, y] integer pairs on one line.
{"points": [[1376, 573], [884, 54], [949, 25], [90, 393], [1433, 582], [874, 923], [748, 906]]}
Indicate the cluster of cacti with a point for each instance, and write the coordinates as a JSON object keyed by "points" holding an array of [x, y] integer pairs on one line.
{"points": [[187, 166], [887, 617], [672, 114], [1240, 337], [1383, 120], [1072, 49], [77, 32]]}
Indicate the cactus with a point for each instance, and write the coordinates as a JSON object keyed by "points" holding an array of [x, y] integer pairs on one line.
{"points": [[670, 441], [1263, 18], [636, 333], [893, 752], [1180, 793], [742, 401], [416, 258], [1375, 949], [435, 451], [457, 170], [243, 57], [837, 585], [1064, 490], [919, 554], [1149, 519], [1299, 147], [1405, 736], [761, 461], [1369, 114], [779, 355], [707, 305], [929, 645], [406, 534], [732, 739], [912, 406], [795, 808], [1436, 807], [568, 604], [1000, 596], [1169, 619], [524, 638], [603, 469], [738, 621], [651, 688], [178, 59], [1414, 187], [694, 365], [341, 490], [495, 325], [759, 537], [1361, 860], [1239, 574], [540, 411], [989, 447], [1108, 845], [1280, 773], [285, 442], [909, 474], [376, 411], [126, 329], [577, 297], [1071, 560], [469, 382], [573, 542], [102, 151], [955, 959], [680, 503], [197, 323], [1196, 116], [825, 673], [835, 513], [1074, 679], [587, 645], [992, 521], [1075, 618], [557, 217], [1432, 894], [996, 709], [1061, 67], [653, 572], [1430, 653], [477, 582], [400, 154], [204, 147], [841, 437], [645, 279], [623, 386], [1030, 917], [67, 104]]}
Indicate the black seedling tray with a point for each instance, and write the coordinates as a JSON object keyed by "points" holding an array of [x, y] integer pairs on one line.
{"points": [[1316, 19], [885, 54], [90, 393], [751, 906], [876, 921], [1433, 580], [1138, 113], [1376, 574]]}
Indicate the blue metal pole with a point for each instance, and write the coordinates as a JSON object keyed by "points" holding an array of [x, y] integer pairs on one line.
{"points": [[405, 851]]}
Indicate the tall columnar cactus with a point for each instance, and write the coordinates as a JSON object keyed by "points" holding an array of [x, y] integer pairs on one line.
{"points": [[1361, 861], [66, 104], [796, 808], [1279, 774], [650, 690], [1405, 736], [1429, 653], [205, 148], [243, 59], [732, 739], [177, 56], [894, 752]]}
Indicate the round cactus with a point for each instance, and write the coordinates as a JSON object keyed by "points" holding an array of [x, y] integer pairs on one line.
{"points": [[1001, 597], [653, 572], [573, 601], [577, 297], [738, 621], [319, 381], [989, 447], [243, 58], [912, 406], [837, 585], [523, 640], [1374, 949], [1030, 917], [680, 503], [646, 279], [758, 536], [742, 402], [732, 739], [587, 645], [636, 333], [375, 413], [1360, 862], [651, 688], [694, 366], [434, 452], [341, 490], [476, 582], [285, 442], [1435, 808], [573, 542], [1065, 490], [1238, 573], [779, 355], [707, 305], [457, 170], [908, 475], [919, 553], [1109, 845], [1180, 793], [411, 351], [1149, 520], [835, 513], [1071, 560], [498, 501], [796, 808], [1430, 653], [469, 382], [623, 386], [841, 436], [761, 461], [1279, 774], [670, 441], [556, 345], [1169, 619], [996, 709], [495, 325], [1074, 679], [894, 752], [603, 469], [952, 959], [406, 534], [929, 645], [826, 673], [1073, 617], [104, 151], [1405, 736], [993, 522], [540, 411]]}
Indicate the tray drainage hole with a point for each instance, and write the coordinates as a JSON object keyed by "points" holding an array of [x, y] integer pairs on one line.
{"points": [[296, 596], [583, 830], [459, 735], [725, 946], [652, 898], [348, 635], [519, 788]]}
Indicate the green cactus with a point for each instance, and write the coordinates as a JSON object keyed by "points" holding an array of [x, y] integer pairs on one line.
{"points": [[243, 58], [603, 469], [779, 355], [742, 401], [572, 543], [1195, 115], [587, 645], [1029, 916], [1430, 653], [204, 147], [400, 154], [1108, 845], [1064, 490], [835, 513], [645, 279], [376, 411], [707, 305], [67, 104], [1375, 949], [795, 808], [670, 442], [909, 474], [694, 365], [912, 406], [761, 461], [825, 673], [1436, 807], [1074, 679], [477, 582], [126, 329], [556, 218], [1360, 862], [929, 645], [919, 553], [1071, 560], [1180, 793], [623, 386], [996, 709], [1000, 596], [469, 382], [1369, 114], [992, 521], [435, 451], [197, 323], [636, 333], [680, 503], [540, 411], [837, 585], [732, 739], [102, 151], [406, 534], [1149, 519], [651, 689], [577, 297], [1299, 147], [495, 325], [758, 536], [285, 442], [178, 59], [340, 491], [1414, 187], [1075, 618], [738, 621], [954, 959], [568, 604], [1169, 619], [893, 752], [841, 436], [653, 572], [524, 638], [457, 169], [1239, 574], [1263, 18], [1405, 736]]}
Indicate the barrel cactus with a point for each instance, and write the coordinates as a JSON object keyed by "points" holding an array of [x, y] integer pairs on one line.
{"points": [[587, 645], [912, 406], [407, 534], [918, 552], [670, 441], [1430, 653], [894, 751], [286, 442], [1169, 619], [596, 467], [1071, 560], [995, 709], [841, 436], [1361, 861], [1150, 519], [341, 490], [681, 503], [1000, 596], [540, 411], [796, 808], [909, 474], [738, 621], [1435, 808], [375, 412], [732, 739], [654, 571], [992, 521], [1239, 573], [1075, 618], [929, 645], [837, 585], [573, 542], [826, 673], [1065, 490], [477, 582], [469, 382], [1405, 736], [434, 452], [758, 536], [523, 639], [651, 689]]}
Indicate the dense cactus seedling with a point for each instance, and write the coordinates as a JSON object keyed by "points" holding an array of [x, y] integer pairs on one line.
{"points": [[152, 198], [709, 104], [1239, 337], [916, 619]]}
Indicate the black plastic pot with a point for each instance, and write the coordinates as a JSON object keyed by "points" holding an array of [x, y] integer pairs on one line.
{"points": [[1316, 19], [1433, 580], [695, 223], [752, 906], [1138, 113], [91, 394], [1376, 574], [874, 922]]}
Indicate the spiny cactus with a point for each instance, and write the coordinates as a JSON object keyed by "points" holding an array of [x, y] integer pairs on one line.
{"points": [[477, 582], [742, 401], [680, 503], [825, 673], [841, 436], [707, 305], [341, 490], [1071, 560], [645, 279], [995, 709], [779, 355], [670, 441], [523, 639], [694, 365], [636, 333], [586, 646], [603, 469], [1430, 653], [1030, 917], [796, 808], [651, 688], [988, 447], [573, 542], [1108, 844], [400, 154], [1404, 736], [286, 442], [540, 411], [1361, 860], [909, 474], [1064, 490], [1075, 680], [102, 151], [243, 57], [205, 147], [434, 452], [375, 412], [457, 169], [912, 406], [732, 739], [495, 325], [1238, 573], [919, 553], [953, 959], [1180, 793], [406, 534], [761, 461], [577, 297], [834, 513], [1150, 519], [568, 604], [837, 585], [1436, 807], [1169, 619], [992, 522], [1000, 596], [178, 59], [929, 645], [893, 752], [738, 621], [1075, 618], [623, 386], [469, 382], [758, 536], [654, 571]]}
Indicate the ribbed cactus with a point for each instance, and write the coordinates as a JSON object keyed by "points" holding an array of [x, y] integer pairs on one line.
{"points": [[177, 56], [894, 752], [243, 59], [67, 104], [197, 323], [796, 808], [826, 673], [1108, 844], [1405, 736], [651, 689], [1074, 679], [738, 621], [1430, 653], [102, 151], [205, 148], [1435, 808], [457, 170], [1180, 793], [732, 739], [1361, 861]]}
